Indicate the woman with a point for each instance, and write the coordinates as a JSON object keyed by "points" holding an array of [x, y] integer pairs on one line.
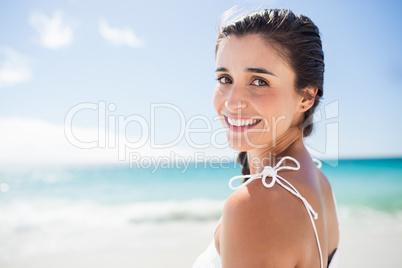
{"points": [[269, 68]]}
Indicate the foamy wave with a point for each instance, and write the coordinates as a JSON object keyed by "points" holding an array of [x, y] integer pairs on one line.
{"points": [[23, 216], [370, 219], [200, 210]]}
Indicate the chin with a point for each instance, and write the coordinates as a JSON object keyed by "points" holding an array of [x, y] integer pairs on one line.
{"points": [[242, 145], [240, 148]]}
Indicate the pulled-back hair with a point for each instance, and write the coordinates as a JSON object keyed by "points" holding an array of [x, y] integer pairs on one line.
{"points": [[297, 39]]}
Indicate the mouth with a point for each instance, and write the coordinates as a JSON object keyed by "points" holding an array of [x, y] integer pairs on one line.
{"points": [[241, 124]]}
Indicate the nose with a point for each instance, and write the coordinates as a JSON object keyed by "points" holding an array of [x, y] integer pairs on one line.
{"points": [[235, 106], [236, 101]]}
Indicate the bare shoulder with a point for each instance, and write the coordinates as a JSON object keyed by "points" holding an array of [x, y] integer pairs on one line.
{"points": [[261, 228]]}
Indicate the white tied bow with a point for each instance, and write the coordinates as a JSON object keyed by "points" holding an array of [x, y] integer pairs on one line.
{"points": [[272, 172]]}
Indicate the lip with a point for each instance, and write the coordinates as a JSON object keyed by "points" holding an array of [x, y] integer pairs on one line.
{"points": [[240, 128]]}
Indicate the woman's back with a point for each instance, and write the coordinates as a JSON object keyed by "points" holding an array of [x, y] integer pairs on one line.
{"points": [[270, 227]]}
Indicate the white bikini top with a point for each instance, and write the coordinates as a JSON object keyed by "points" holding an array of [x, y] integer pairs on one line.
{"points": [[211, 259]]}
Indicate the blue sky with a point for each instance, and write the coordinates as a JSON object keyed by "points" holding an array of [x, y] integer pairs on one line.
{"points": [[55, 55]]}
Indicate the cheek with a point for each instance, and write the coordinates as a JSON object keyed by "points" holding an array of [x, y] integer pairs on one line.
{"points": [[218, 100], [285, 114], [267, 105], [276, 108]]}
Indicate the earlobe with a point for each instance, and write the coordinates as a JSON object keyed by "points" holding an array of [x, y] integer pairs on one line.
{"points": [[308, 99]]}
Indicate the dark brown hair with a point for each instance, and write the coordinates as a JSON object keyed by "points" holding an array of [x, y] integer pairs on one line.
{"points": [[298, 41]]}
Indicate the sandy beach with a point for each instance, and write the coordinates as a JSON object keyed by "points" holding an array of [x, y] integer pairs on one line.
{"points": [[148, 245], [368, 239]]}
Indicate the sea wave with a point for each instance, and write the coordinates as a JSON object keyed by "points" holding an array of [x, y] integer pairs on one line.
{"points": [[21, 216]]}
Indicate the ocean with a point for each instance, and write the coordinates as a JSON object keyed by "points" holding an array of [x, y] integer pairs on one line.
{"points": [[41, 206]]}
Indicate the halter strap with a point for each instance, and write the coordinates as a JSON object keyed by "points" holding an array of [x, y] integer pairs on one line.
{"points": [[272, 172]]}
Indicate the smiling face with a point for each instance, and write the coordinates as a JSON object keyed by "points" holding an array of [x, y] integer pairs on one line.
{"points": [[255, 92]]}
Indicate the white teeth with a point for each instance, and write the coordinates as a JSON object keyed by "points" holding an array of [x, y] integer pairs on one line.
{"points": [[241, 122]]}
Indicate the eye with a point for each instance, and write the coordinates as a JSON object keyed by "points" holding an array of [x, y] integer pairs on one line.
{"points": [[259, 82], [224, 80]]}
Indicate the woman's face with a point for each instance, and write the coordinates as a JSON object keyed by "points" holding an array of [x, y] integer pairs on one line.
{"points": [[255, 94]]}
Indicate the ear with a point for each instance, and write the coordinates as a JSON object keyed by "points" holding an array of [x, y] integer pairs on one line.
{"points": [[308, 98]]}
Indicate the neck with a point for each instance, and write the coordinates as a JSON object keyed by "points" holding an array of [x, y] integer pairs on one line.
{"points": [[269, 156]]}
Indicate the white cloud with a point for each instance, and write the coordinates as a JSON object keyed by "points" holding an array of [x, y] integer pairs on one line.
{"points": [[54, 32], [116, 36], [14, 69]]}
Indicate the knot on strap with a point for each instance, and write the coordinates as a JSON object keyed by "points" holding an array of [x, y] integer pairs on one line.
{"points": [[272, 172], [269, 172]]}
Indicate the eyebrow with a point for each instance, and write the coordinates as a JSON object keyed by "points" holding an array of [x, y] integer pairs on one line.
{"points": [[259, 71], [221, 69], [249, 70]]}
